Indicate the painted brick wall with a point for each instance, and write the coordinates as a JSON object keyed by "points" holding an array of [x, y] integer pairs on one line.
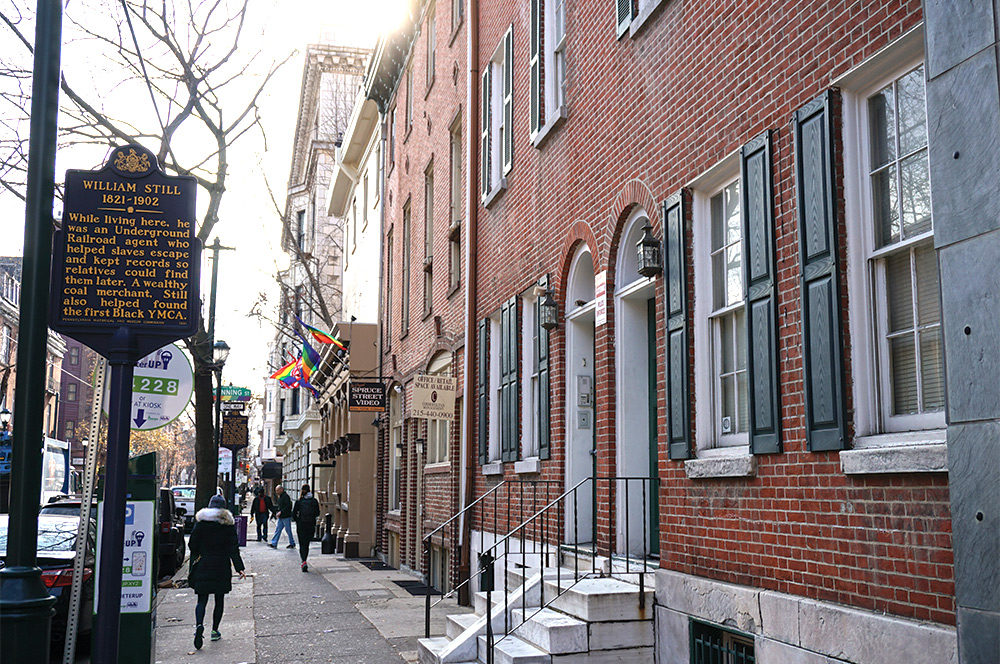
{"points": [[695, 82]]}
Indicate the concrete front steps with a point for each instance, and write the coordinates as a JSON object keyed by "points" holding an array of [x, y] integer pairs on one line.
{"points": [[596, 620]]}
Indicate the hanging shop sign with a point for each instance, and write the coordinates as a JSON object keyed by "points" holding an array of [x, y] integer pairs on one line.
{"points": [[434, 397], [366, 396]]}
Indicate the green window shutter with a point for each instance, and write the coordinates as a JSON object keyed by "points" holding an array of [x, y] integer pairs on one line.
{"points": [[816, 203], [484, 154], [536, 65], [677, 360], [483, 390], [624, 16], [508, 100], [757, 203], [509, 363], [544, 391]]}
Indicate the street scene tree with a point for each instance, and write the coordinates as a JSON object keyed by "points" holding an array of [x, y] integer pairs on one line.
{"points": [[177, 78]]}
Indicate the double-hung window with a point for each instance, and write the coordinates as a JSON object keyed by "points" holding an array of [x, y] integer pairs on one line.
{"points": [[896, 316], [547, 61], [428, 240], [405, 316], [720, 335], [497, 95]]}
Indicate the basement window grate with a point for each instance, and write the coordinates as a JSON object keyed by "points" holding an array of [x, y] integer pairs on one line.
{"points": [[711, 644]]}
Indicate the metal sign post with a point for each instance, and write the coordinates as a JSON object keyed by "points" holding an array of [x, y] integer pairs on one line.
{"points": [[124, 282]]}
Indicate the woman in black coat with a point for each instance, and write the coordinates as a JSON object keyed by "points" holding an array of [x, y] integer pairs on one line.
{"points": [[213, 545]]}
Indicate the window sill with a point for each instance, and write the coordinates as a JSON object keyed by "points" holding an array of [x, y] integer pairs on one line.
{"points": [[430, 86], [730, 465], [493, 468], [645, 12], [457, 288], [433, 468], [495, 192], [455, 30], [530, 466], [928, 457], [543, 134]]}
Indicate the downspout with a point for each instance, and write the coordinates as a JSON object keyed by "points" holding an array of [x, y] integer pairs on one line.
{"points": [[469, 447], [385, 424]]}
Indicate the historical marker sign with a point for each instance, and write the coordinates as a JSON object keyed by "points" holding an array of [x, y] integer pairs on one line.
{"points": [[235, 431], [127, 255]]}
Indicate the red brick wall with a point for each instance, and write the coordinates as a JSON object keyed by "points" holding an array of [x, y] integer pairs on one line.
{"points": [[697, 81], [428, 141]]}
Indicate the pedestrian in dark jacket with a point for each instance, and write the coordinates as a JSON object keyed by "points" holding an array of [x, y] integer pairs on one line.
{"points": [[305, 513], [283, 510], [213, 546], [260, 510]]}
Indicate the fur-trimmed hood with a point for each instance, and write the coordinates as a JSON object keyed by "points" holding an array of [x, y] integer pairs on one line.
{"points": [[217, 514]]}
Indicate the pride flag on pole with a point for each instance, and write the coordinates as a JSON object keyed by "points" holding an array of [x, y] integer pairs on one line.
{"points": [[321, 336]]}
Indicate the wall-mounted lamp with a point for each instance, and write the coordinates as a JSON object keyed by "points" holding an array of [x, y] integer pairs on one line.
{"points": [[649, 253], [377, 422], [548, 312]]}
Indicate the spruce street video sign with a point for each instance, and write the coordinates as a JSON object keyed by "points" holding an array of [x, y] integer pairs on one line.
{"points": [[127, 255]]}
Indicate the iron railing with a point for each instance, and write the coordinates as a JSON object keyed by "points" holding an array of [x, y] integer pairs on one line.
{"points": [[503, 497], [554, 530]]}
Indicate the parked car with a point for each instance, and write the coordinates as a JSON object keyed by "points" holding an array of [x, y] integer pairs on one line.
{"points": [[184, 499], [56, 553], [67, 506], [171, 548]]}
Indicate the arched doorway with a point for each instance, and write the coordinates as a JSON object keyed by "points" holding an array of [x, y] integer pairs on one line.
{"points": [[580, 429], [636, 441]]}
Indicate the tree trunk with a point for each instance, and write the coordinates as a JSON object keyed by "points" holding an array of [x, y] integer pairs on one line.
{"points": [[205, 454]]}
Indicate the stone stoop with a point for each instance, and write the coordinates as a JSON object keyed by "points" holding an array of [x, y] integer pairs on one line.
{"points": [[597, 620]]}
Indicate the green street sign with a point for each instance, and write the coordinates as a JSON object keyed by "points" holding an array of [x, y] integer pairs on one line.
{"points": [[230, 393]]}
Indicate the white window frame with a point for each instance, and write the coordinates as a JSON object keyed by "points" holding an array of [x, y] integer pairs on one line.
{"points": [[873, 426], [530, 386], [709, 440], [554, 71], [396, 453], [496, 343], [431, 43], [496, 130]]}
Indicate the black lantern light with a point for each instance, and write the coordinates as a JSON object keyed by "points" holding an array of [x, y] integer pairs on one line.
{"points": [[548, 312], [649, 253]]}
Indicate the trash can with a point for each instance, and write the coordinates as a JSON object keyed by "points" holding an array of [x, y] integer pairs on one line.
{"points": [[241, 529]]}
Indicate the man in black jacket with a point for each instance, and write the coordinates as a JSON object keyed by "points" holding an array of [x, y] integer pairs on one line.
{"points": [[305, 513], [283, 510], [260, 510]]}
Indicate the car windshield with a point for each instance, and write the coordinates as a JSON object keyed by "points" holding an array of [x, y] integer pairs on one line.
{"points": [[53, 535], [184, 493]]}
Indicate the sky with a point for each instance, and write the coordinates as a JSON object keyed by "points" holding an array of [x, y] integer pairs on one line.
{"points": [[248, 221]]}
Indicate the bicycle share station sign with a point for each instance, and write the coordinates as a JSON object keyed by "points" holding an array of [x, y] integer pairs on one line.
{"points": [[125, 281], [162, 386]]}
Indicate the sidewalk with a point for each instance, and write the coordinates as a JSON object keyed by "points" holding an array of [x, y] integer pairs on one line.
{"points": [[340, 611]]}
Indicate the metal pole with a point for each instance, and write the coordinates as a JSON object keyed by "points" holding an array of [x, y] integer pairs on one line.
{"points": [[109, 586], [25, 604]]}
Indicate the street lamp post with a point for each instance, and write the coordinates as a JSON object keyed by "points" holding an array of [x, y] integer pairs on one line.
{"points": [[220, 353]]}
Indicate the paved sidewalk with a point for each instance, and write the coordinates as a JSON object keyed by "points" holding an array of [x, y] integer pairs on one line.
{"points": [[338, 612]]}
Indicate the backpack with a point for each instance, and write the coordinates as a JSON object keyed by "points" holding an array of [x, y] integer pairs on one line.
{"points": [[308, 510]]}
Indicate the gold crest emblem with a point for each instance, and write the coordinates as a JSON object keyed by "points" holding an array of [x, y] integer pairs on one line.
{"points": [[132, 162]]}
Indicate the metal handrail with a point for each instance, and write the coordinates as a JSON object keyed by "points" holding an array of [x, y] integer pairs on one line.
{"points": [[427, 541]]}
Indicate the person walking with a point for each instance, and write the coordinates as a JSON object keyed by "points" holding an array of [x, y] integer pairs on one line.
{"points": [[260, 510], [283, 510], [213, 545], [305, 513]]}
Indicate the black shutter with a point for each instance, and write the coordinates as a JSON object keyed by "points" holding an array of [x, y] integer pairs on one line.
{"points": [[483, 390], [508, 381], [544, 393], [759, 276], [535, 64], [816, 201], [677, 360]]}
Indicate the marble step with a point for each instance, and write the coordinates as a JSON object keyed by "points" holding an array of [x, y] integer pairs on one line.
{"points": [[513, 650]]}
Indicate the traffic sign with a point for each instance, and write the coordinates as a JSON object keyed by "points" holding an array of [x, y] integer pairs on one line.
{"points": [[237, 406], [161, 388], [231, 393]]}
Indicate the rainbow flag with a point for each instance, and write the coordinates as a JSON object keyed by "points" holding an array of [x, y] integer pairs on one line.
{"points": [[309, 358], [321, 336], [285, 371]]}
